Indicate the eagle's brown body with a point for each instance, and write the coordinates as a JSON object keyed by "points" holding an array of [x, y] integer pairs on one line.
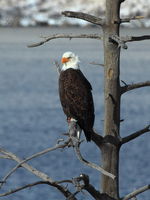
{"points": [[76, 99]]}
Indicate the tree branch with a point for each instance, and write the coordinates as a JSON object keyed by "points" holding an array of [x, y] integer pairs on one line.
{"points": [[90, 188], [76, 144], [135, 38], [39, 174], [125, 20], [98, 64], [118, 40], [121, 41], [69, 36], [27, 166], [4, 157], [54, 184], [57, 66], [136, 192], [97, 139], [84, 16], [92, 165], [135, 135], [23, 187], [57, 146], [127, 88]]}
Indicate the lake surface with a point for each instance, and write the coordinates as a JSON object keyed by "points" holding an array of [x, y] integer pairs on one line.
{"points": [[31, 118]]}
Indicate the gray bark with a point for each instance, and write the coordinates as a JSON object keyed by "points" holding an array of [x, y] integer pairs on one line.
{"points": [[110, 153]]}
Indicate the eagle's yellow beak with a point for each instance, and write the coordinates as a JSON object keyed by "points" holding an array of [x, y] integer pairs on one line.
{"points": [[64, 60]]}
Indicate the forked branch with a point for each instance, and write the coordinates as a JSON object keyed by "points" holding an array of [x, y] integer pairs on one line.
{"points": [[121, 41], [118, 40], [127, 88], [84, 16], [82, 183], [27, 166], [57, 146], [135, 135], [39, 174], [136, 192], [69, 36]]}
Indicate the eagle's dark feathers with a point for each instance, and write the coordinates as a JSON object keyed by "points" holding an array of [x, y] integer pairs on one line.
{"points": [[76, 99]]}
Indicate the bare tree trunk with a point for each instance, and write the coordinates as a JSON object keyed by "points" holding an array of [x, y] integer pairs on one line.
{"points": [[110, 153]]}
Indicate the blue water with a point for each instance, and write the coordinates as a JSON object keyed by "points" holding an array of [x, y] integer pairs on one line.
{"points": [[31, 118]]}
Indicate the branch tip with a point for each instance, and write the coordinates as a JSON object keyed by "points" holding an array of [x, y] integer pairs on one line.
{"points": [[136, 192], [126, 20], [135, 135], [84, 16]]}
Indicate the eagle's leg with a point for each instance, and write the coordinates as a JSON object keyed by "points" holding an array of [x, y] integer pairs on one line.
{"points": [[74, 129]]}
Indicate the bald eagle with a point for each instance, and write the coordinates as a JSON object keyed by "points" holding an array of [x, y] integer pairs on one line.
{"points": [[75, 94]]}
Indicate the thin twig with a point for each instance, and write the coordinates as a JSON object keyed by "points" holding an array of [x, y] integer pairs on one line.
{"points": [[68, 36], [23, 187], [55, 184], [72, 195], [57, 146], [84, 16], [135, 135], [124, 83], [93, 63], [57, 66], [136, 192], [125, 20], [4, 157], [127, 88]]}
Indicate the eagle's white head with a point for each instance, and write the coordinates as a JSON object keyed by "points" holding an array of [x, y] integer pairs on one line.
{"points": [[69, 60]]}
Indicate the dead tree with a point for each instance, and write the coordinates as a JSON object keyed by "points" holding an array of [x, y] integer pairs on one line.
{"points": [[110, 142]]}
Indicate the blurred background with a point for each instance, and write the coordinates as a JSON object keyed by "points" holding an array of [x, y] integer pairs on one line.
{"points": [[48, 12], [31, 117]]}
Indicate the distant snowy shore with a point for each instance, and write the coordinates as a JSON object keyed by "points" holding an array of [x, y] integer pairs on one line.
{"points": [[48, 12]]}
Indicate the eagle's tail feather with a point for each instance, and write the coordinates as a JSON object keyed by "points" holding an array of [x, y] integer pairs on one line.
{"points": [[88, 134]]}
